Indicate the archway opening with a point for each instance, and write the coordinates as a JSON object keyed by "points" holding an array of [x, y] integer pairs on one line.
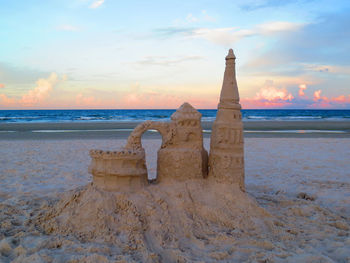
{"points": [[151, 141]]}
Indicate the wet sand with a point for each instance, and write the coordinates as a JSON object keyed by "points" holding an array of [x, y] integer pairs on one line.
{"points": [[120, 130]]}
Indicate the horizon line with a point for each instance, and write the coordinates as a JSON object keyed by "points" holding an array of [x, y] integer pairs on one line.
{"points": [[175, 109]]}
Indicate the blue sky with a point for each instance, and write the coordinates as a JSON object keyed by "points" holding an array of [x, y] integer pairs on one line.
{"points": [[157, 54]]}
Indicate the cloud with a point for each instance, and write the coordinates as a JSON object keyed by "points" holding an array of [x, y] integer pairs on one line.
{"points": [[172, 31], [140, 97], [2, 86], [190, 18], [207, 17], [67, 27], [164, 61], [319, 101], [271, 96], [317, 53], [261, 4], [96, 4], [151, 99], [40, 93], [277, 26], [322, 68], [6, 101], [317, 95], [87, 101], [228, 35], [342, 101], [323, 42], [202, 17], [35, 97], [301, 92], [222, 36]]}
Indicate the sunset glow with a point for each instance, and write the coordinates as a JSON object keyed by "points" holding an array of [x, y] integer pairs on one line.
{"points": [[106, 54]]}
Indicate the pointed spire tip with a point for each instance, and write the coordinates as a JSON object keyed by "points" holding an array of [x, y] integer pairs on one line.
{"points": [[230, 54]]}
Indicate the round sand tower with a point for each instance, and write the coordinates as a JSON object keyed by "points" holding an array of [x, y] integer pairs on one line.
{"points": [[226, 158], [122, 171]]}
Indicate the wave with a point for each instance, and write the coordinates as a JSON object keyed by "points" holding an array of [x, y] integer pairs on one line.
{"points": [[22, 116], [63, 131], [19, 117]]}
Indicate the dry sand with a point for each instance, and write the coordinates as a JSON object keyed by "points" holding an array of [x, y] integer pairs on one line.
{"points": [[297, 208]]}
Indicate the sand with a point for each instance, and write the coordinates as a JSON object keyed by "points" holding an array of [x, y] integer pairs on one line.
{"points": [[297, 208], [121, 130]]}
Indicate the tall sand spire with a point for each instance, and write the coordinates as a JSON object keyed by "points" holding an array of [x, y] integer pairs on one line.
{"points": [[226, 157], [229, 97]]}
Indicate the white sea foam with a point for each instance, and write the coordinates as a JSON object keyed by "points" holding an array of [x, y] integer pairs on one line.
{"points": [[60, 131]]}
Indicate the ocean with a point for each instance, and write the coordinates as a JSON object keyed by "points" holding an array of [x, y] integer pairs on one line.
{"points": [[31, 116]]}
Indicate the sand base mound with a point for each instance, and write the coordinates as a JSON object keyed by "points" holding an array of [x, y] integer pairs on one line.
{"points": [[175, 222]]}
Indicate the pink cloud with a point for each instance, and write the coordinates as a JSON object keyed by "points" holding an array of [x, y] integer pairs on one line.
{"points": [[269, 97], [2, 86], [87, 102], [248, 103], [317, 95], [41, 92], [320, 101], [96, 4], [150, 99], [273, 94], [35, 97], [301, 92], [143, 98], [341, 99], [6, 101], [273, 97]]}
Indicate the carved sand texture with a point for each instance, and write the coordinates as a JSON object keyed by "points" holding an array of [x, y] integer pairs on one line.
{"points": [[226, 158], [184, 157]]}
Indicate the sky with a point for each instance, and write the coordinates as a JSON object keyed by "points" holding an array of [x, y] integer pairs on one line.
{"points": [[111, 54]]}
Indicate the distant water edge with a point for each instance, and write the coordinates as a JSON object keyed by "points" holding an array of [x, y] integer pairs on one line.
{"points": [[25, 116]]}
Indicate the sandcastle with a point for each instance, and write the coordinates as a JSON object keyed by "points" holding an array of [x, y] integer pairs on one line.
{"points": [[196, 210], [182, 155]]}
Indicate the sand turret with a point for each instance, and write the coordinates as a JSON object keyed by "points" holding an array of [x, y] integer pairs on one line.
{"points": [[185, 157], [226, 158]]}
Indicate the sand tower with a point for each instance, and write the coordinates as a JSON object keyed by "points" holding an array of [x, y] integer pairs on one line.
{"points": [[184, 157], [122, 171], [226, 158]]}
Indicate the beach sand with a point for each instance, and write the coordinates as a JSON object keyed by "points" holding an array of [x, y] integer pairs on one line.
{"points": [[302, 184], [121, 130]]}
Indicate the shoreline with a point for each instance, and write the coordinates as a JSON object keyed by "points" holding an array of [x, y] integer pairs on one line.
{"points": [[121, 130]]}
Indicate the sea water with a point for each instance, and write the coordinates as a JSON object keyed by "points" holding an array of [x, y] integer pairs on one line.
{"points": [[25, 116]]}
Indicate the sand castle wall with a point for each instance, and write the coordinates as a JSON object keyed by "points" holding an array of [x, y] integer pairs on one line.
{"points": [[180, 157]]}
